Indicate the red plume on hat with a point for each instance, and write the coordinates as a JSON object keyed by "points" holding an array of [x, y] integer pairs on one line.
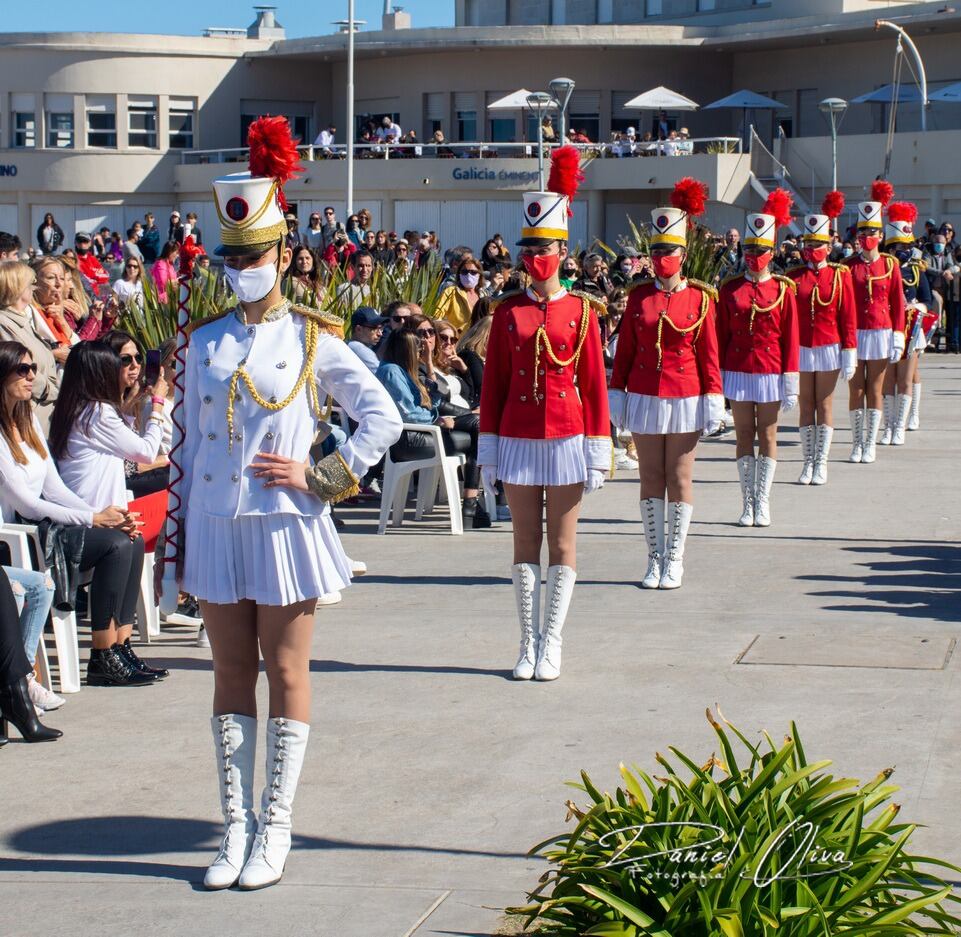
{"points": [[779, 204], [903, 211], [833, 204], [565, 175], [882, 191], [690, 196], [273, 152]]}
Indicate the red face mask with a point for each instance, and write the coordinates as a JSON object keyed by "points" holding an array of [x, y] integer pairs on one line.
{"points": [[666, 265], [541, 267], [757, 262], [869, 241], [815, 255]]}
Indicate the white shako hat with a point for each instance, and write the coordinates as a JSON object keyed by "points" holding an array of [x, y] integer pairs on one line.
{"points": [[760, 230], [817, 228], [869, 215], [250, 205], [546, 213], [669, 226], [900, 226]]}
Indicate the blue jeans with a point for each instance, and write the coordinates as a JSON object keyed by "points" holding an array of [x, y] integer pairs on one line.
{"points": [[334, 440], [34, 594]]}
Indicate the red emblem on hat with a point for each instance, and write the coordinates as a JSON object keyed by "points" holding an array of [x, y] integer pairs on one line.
{"points": [[662, 221], [534, 209], [237, 209], [758, 223], [812, 221]]}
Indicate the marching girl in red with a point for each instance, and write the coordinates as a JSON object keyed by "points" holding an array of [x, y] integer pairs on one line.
{"points": [[757, 335], [827, 328], [900, 375], [666, 384], [879, 300], [544, 423]]}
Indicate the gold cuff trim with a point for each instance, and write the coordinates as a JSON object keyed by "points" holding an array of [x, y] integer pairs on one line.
{"points": [[559, 234], [332, 480]]}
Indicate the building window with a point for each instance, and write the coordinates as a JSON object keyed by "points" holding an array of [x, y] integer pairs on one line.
{"points": [[142, 122], [180, 124], [24, 129], [299, 127], [503, 129], [467, 126], [101, 111], [654, 8], [60, 131]]}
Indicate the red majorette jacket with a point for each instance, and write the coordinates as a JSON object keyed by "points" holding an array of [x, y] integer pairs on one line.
{"points": [[757, 329], [878, 292], [825, 306], [667, 343], [544, 375]]}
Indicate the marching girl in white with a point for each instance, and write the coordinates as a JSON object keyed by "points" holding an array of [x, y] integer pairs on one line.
{"points": [[666, 384], [260, 544]]}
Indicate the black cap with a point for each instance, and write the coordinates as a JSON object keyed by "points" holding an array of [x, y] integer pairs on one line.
{"points": [[368, 316]]}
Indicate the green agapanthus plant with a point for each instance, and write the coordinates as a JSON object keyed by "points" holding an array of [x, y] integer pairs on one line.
{"points": [[700, 263], [755, 842]]}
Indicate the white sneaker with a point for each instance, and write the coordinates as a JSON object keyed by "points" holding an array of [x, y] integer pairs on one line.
{"points": [[358, 568], [330, 598], [202, 639], [626, 462], [43, 699]]}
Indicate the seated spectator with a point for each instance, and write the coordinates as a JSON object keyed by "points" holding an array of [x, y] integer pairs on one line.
{"points": [[366, 330], [131, 368], [457, 301], [439, 142], [31, 488], [453, 377], [305, 283], [50, 294], [472, 350], [399, 373], [324, 142], [357, 292], [17, 324], [496, 283], [87, 262], [685, 146], [579, 136], [647, 146], [164, 271], [151, 477], [129, 288], [33, 592]]}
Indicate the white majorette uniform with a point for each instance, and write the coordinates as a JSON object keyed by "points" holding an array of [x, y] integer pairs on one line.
{"points": [[666, 378], [544, 417], [261, 387]]}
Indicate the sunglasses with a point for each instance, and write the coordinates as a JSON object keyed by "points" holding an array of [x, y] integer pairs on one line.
{"points": [[133, 266], [427, 333], [128, 360], [399, 318], [448, 340], [24, 369]]}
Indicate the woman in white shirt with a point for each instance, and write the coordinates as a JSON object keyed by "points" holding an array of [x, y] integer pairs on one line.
{"points": [[90, 440], [31, 489], [129, 288]]}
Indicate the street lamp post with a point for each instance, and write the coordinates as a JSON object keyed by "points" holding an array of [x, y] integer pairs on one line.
{"points": [[539, 101], [834, 109], [351, 25], [562, 89]]}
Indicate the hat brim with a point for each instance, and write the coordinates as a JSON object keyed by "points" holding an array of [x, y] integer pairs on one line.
{"points": [[538, 242], [240, 250]]}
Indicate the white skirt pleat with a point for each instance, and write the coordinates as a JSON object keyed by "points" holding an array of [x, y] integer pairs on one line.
{"points": [[541, 461], [758, 388], [271, 559], [821, 358], [874, 344], [647, 414]]}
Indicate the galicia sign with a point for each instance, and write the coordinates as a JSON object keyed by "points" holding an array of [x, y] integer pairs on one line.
{"points": [[8, 170], [472, 174]]}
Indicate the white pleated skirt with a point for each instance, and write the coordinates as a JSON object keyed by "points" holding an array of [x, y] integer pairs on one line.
{"points": [[659, 415], [874, 344], [821, 358], [541, 461], [757, 388], [271, 559]]}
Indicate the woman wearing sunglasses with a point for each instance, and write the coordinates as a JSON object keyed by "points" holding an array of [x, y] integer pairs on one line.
{"points": [[129, 288]]}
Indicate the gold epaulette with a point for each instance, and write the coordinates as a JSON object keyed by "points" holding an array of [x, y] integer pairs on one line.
{"points": [[842, 267], [505, 296], [731, 277], [600, 307], [784, 279], [192, 326], [890, 261], [920, 264], [328, 323], [703, 287]]}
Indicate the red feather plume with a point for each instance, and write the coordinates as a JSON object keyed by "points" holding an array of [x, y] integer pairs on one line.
{"points": [[779, 204], [882, 191], [833, 204], [273, 152], [903, 211], [690, 196], [565, 175]]}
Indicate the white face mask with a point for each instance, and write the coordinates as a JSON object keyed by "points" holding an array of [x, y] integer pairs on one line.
{"points": [[470, 280], [253, 284]]}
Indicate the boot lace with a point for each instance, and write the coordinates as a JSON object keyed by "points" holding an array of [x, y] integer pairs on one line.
{"points": [[276, 774], [226, 753]]}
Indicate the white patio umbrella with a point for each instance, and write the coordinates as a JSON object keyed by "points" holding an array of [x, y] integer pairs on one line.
{"points": [[662, 99], [516, 101]]}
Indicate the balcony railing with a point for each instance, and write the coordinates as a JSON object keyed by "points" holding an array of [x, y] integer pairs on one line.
{"points": [[479, 150]]}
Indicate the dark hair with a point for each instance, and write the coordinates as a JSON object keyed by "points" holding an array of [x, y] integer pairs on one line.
{"points": [[482, 309], [116, 339], [357, 256], [130, 232], [391, 308], [90, 376], [21, 419], [403, 350], [9, 242], [167, 249]]}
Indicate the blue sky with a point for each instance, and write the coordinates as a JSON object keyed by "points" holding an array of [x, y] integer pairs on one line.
{"points": [[299, 17]]}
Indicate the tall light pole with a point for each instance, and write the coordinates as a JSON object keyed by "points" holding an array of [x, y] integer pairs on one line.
{"points": [[562, 89], [539, 102], [905, 40], [834, 109], [351, 25]]}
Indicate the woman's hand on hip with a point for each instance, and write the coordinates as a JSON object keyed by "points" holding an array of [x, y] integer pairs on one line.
{"points": [[279, 470]]}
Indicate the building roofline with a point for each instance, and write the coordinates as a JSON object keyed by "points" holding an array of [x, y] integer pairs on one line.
{"points": [[135, 43]]}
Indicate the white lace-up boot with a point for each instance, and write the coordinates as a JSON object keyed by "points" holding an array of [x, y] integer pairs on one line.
{"points": [[857, 435], [236, 740], [560, 588], [914, 418], [762, 497], [286, 746], [527, 589], [887, 420], [901, 420], [823, 448], [872, 422], [678, 521], [808, 453], [652, 514], [746, 466]]}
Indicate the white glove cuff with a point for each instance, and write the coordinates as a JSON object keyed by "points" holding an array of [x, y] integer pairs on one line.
{"points": [[597, 453], [617, 402], [487, 448], [790, 384], [714, 408]]}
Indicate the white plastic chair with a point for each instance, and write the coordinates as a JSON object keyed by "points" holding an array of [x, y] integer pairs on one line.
{"points": [[436, 470], [16, 536]]}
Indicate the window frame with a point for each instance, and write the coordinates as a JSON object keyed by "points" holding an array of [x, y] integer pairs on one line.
{"points": [[136, 109], [109, 110], [20, 135]]}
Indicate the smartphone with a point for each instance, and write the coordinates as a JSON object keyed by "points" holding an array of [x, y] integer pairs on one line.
{"points": [[152, 366]]}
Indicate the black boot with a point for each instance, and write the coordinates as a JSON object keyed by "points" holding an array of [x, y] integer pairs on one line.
{"points": [[482, 519], [127, 652], [3, 737], [475, 516], [107, 668], [15, 707]]}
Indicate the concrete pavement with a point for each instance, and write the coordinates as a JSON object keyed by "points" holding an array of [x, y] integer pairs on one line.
{"points": [[430, 773]]}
